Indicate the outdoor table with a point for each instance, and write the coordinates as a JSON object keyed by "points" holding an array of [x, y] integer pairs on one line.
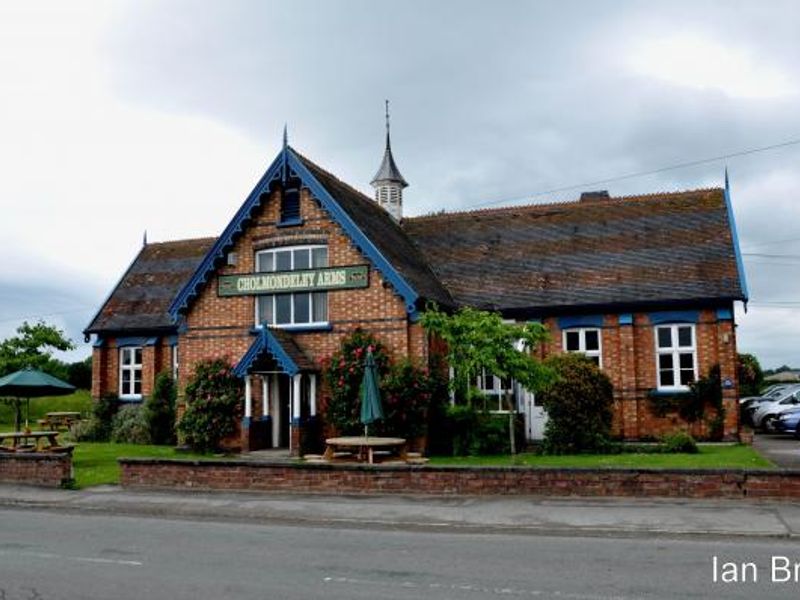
{"points": [[32, 437], [365, 444], [53, 420]]}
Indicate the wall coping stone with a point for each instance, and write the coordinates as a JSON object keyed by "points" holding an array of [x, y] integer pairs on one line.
{"points": [[451, 468]]}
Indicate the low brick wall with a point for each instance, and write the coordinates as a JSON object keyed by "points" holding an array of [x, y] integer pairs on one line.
{"points": [[52, 470], [364, 479]]}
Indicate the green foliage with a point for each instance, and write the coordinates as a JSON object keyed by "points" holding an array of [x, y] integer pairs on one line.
{"points": [[213, 405], [129, 426], [465, 431], [79, 374], [479, 341], [407, 390], [33, 346], [344, 373], [578, 406], [98, 428], [159, 410], [680, 442], [750, 375], [406, 393]]}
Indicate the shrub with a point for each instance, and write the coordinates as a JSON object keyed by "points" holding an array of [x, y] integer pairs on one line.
{"points": [[680, 442], [406, 394], [213, 405], [159, 410], [98, 427], [578, 406], [344, 374], [129, 426], [468, 432], [406, 390]]}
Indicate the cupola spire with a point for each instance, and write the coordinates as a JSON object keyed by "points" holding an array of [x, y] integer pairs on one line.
{"points": [[388, 182]]}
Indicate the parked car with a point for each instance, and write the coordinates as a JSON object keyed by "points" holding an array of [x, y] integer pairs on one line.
{"points": [[788, 422], [753, 404], [767, 411], [772, 392]]}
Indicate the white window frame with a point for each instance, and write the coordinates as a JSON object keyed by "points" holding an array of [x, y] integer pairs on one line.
{"points": [[675, 350], [581, 331], [292, 323], [497, 390], [133, 368]]}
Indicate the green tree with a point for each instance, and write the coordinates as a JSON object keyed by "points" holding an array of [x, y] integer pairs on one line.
{"points": [[480, 341], [751, 377], [33, 346]]}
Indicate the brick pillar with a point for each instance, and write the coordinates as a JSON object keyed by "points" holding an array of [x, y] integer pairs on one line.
{"points": [[726, 351], [629, 427], [148, 369], [99, 383]]}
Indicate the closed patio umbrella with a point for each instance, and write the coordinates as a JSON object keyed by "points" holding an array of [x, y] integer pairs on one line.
{"points": [[370, 394], [32, 383]]}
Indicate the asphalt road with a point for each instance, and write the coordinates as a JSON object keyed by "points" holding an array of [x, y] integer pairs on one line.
{"points": [[50, 555]]}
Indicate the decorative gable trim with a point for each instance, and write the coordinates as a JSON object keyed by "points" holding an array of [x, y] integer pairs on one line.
{"points": [[287, 160], [735, 235], [266, 342]]}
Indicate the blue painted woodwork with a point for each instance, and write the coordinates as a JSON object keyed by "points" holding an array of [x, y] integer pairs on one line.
{"points": [[287, 160], [266, 342], [674, 316], [580, 321]]}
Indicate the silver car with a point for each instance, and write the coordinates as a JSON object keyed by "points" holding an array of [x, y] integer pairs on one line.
{"points": [[766, 411]]}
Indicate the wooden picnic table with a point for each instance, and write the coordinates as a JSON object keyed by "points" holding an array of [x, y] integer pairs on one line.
{"points": [[365, 446], [63, 419], [33, 440]]}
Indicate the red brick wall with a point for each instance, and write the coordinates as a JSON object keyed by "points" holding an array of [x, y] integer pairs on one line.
{"points": [[51, 470], [105, 367], [357, 479], [221, 326], [629, 360]]}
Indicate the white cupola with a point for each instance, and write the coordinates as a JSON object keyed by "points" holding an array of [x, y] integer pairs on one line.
{"points": [[388, 182]]}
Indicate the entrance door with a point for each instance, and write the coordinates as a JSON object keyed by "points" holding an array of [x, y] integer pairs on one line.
{"points": [[535, 416]]}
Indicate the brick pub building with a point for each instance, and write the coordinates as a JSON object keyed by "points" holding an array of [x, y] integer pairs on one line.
{"points": [[644, 285]]}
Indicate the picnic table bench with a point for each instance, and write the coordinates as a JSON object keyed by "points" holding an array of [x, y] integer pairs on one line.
{"points": [[364, 447], [32, 441], [59, 420]]}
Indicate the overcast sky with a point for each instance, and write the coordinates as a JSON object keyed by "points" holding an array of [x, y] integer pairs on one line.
{"points": [[117, 117]]}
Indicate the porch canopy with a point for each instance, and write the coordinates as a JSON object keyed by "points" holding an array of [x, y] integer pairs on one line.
{"points": [[275, 352]]}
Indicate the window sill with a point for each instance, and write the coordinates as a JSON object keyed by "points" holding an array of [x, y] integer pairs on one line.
{"points": [[290, 222], [673, 391], [131, 399]]}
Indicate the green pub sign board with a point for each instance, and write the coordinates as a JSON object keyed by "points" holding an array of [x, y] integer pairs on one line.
{"points": [[306, 280]]}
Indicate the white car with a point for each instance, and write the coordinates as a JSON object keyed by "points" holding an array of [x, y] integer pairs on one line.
{"points": [[770, 410]]}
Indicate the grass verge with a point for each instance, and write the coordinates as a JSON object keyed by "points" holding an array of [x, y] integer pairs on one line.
{"points": [[96, 463], [710, 457]]}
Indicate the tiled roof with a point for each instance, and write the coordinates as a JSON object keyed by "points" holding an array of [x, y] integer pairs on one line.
{"points": [[143, 295], [638, 249], [385, 233]]}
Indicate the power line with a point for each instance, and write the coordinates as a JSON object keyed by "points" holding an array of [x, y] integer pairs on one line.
{"points": [[596, 182]]}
